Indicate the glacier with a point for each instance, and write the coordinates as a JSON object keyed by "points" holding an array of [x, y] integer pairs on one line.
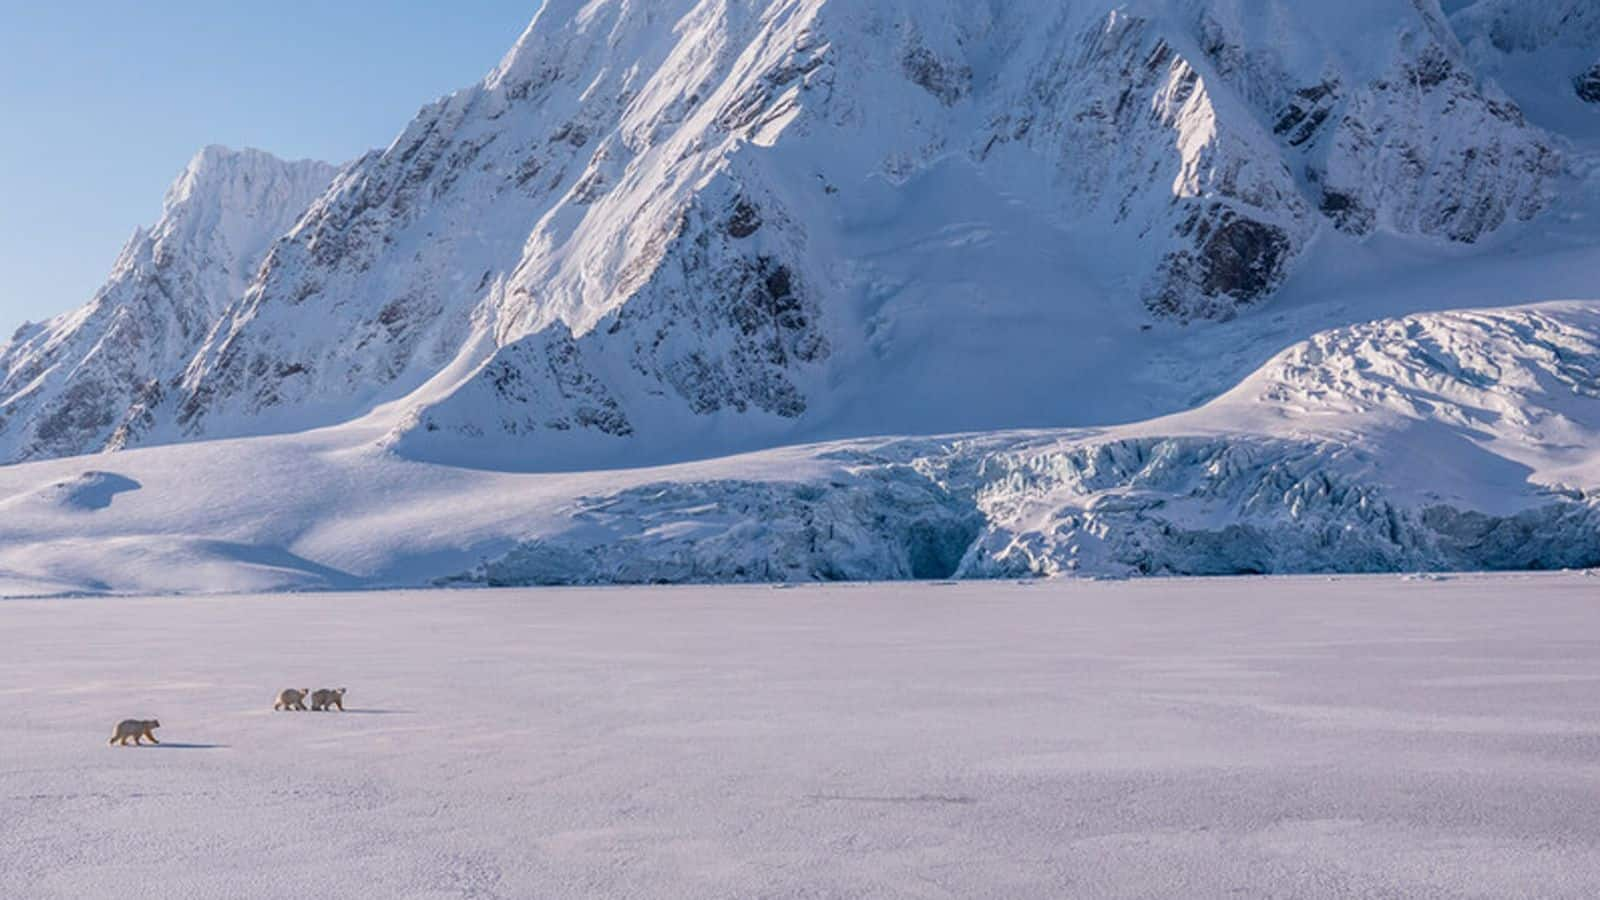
{"points": [[1434, 442], [1447, 442]]}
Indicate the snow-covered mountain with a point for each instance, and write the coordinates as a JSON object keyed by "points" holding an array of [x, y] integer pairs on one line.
{"points": [[1276, 286], [717, 224], [74, 384]]}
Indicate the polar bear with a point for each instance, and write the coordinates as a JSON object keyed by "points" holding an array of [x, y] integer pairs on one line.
{"points": [[322, 700], [289, 698], [138, 729]]}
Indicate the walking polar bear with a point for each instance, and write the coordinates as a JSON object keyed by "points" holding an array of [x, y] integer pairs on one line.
{"points": [[138, 729], [290, 698], [324, 699]]}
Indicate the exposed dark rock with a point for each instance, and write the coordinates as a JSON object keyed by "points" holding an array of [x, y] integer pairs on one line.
{"points": [[393, 313], [1588, 85], [1299, 122], [1347, 213], [758, 103], [82, 408], [1243, 259], [745, 221], [1235, 261], [946, 81], [1433, 67]]}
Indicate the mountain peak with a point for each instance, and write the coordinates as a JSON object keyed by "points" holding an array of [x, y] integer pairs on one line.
{"points": [[221, 176], [66, 386], [707, 224]]}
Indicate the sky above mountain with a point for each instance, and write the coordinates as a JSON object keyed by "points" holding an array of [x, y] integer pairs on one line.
{"points": [[106, 101]]}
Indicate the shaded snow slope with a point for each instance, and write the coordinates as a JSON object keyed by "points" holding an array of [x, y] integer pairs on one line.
{"points": [[1440, 441], [74, 384], [663, 230], [1546, 55], [1518, 26]]}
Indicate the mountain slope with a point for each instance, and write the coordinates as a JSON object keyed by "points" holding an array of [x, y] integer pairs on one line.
{"points": [[69, 385], [720, 224], [1516, 26], [1442, 441], [1547, 55]]}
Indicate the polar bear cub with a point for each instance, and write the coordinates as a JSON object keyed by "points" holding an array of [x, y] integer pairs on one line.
{"points": [[290, 698], [138, 729], [324, 699]]}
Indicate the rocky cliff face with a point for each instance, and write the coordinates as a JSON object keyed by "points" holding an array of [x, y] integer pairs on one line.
{"points": [[69, 385], [646, 221], [1422, 149]]}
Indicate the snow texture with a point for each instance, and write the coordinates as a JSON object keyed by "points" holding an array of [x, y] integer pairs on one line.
{"points": [[1373, 737]]}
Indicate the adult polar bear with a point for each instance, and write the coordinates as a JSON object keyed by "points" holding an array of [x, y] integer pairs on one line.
{"points": [[137, 729], [324, 699]]}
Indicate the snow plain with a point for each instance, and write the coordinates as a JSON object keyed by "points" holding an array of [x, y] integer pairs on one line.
{"points": [[1372, 737]]}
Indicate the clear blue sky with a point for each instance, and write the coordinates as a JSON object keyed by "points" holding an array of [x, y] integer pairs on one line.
{"points": [[102, 102]]}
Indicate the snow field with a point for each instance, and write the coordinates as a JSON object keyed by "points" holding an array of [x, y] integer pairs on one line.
{"points": [[1377, 737]]}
